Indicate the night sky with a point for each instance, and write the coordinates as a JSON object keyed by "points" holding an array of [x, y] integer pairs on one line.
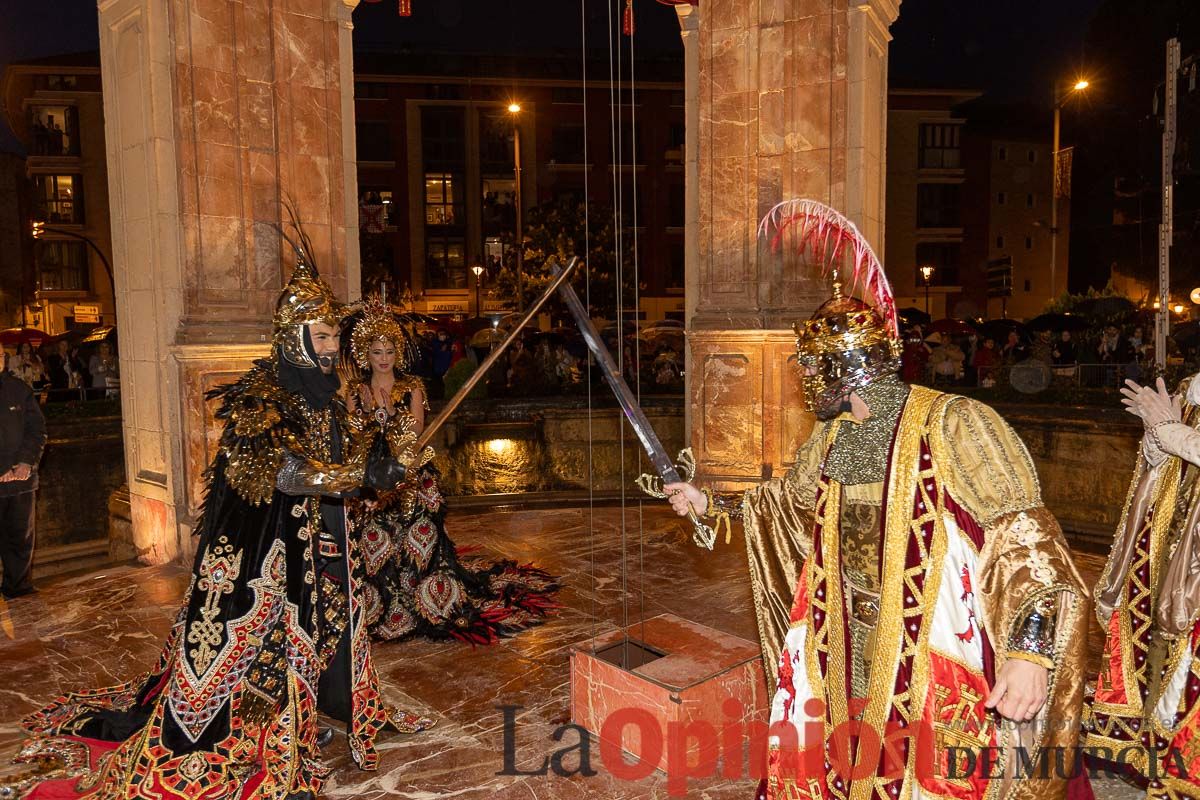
{"points": [[1008, 49]]}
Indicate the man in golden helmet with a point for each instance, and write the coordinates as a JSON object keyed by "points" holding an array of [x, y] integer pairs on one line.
{"points": [[921, 619], [273, 626]]}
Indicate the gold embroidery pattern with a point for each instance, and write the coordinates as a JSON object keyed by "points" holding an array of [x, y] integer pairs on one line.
{"points": [[957, 730], [902, 576], [820, 605], [218, 572]]}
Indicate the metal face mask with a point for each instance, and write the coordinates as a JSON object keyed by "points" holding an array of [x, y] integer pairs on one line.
{"points": [[842, 348]]}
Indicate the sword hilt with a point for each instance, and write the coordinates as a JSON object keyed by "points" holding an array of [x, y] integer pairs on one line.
{"points": [[702, 534]]}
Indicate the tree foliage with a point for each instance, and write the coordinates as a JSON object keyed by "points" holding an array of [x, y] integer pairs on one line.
{"points": [[556, 231]]}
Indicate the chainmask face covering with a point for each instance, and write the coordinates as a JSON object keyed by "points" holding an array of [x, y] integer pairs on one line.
{"points": [[306, 300], [841, 349]]}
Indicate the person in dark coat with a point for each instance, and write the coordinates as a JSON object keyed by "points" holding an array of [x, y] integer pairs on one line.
{"points": [[22, 436]]}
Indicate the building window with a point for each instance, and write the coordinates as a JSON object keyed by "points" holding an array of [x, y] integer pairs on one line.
{"points": [[62, 266], [1032, 156], [1028, 285], [676, 208], [496, 142], [370, 90], [58, 198], [675, 277], [676, 143], [1029, 200], [62, 83], [1002, 153], [566, 95], [378, 202], [944, 257], [54, 130], [443, 138], [1028, 242], [1001, 199], [445, 263], [1000, 242], [938, 205], [374, 141], [939, 146], [440, 199], [567, 144]]}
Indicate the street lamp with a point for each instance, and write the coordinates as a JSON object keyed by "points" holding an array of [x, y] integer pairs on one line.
{"points": [[514, 108], [478, 270], [927, 274], [1059, 102]]}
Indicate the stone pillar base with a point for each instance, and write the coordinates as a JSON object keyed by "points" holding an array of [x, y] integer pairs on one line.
{"points": [[747, 421]]}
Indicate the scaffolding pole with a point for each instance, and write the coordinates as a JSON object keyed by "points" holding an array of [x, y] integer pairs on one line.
{"points": [[1166, 227]]}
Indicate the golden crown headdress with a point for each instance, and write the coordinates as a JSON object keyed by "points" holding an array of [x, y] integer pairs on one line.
{"points": [[846, 343], [378, 323]]}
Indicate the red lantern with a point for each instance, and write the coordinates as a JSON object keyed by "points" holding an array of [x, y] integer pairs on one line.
{"points": [[627, 20], [405, 8]]}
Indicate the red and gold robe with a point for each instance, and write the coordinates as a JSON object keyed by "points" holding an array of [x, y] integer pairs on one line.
{"points": [[966, 549], [1145, 715]]}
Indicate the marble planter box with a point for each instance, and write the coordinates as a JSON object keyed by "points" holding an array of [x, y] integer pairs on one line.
{"points": [[687, 681]]}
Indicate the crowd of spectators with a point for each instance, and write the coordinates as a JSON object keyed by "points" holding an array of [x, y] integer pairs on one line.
{"points": [[543, 363], [62, 371], [1100, 356]]}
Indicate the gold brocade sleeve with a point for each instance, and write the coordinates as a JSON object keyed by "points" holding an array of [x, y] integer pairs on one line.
{"points": [[778, 520], [1024, 562]]}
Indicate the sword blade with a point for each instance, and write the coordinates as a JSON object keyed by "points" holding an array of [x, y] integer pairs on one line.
{"points": [[560, 279], [663, 463]]}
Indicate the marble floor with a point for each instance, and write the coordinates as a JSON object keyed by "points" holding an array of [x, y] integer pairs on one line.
{"points": [[96, 629]]}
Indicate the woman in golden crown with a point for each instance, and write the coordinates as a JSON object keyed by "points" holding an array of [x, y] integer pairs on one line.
{"points": [[272, 627], [418, 586], [921, 618]]}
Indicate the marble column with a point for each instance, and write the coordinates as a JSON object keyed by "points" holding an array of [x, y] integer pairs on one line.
{"points": [[791, 102], [216, 111]]}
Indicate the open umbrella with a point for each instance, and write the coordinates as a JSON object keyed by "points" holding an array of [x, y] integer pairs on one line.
{"points": [[475, 324], [998, 329], [487, 337], [1059, 322], [952, 327], [913, 316], [15, 336], [417, 318], [1187, 334]]}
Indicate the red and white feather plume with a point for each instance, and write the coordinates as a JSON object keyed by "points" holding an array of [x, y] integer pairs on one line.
{"points": [[812, 225]]}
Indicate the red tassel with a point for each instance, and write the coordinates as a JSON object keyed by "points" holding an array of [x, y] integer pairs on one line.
{"points": [[406, 8], [627, 22]]}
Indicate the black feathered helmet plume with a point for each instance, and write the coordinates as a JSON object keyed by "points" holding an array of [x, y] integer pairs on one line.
{"points": [[304, 301]]}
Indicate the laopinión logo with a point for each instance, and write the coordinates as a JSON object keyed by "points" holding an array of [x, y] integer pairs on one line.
{"points": [[737, 749]]}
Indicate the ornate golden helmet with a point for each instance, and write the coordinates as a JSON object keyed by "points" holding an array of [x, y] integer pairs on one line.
{"points": [[846, 343], [844, 346], [378, 323], [305, 300]]}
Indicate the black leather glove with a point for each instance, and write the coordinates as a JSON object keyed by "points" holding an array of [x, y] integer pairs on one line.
{"points": [[384, 473]]}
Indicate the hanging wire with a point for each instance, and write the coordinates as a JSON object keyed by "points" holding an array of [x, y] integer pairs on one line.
{"points": [[637, 340], [587, 296], [832, 50], [617, 149]]}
